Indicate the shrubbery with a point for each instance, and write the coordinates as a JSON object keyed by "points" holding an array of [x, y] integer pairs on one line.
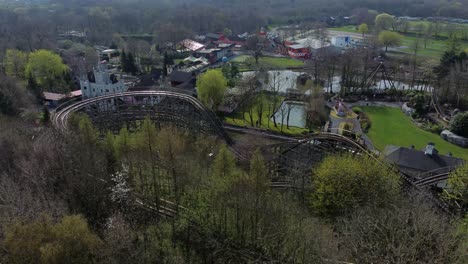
{"points": [[459, 124], [363, 119]]}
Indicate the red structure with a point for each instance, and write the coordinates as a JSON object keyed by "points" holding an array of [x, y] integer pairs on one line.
{"points": [[299, 51]]}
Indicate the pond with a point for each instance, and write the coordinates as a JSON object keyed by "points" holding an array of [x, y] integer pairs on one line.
{"points": [[286, 79], [280, 81], [296, 111], [379, 85]]}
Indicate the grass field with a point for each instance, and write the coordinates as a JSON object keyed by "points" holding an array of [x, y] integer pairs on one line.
{"points": [[247, 61], [391, 127], [351, 29], [414, 26], [435, 48], [237, 119]]}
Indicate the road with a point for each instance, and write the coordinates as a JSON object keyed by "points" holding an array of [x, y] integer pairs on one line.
{"points": [[335, 33]]}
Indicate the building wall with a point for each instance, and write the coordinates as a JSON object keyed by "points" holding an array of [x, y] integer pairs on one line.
{"points": [[102, 86], [299, 53], [226, 52], [343, 41], [90, 90]]}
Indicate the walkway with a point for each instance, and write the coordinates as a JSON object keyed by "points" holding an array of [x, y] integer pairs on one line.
{"points": [[374, 103], [336, 121]]}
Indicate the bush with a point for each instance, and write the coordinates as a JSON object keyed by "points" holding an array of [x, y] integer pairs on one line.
{"points": [[419, 103], [357, 110], [459, 124], [344, 183], [363, 119], [365, 125]]}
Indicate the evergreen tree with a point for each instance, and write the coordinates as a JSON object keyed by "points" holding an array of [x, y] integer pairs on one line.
{"points": [[46, 115], [132, 68], [124, 61], [165, 64], [33, 86]]}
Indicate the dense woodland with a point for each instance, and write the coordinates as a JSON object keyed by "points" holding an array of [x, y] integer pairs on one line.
{"points": [[87, 200], [32, 24]]}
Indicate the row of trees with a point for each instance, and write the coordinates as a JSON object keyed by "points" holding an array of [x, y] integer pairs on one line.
{"points": [[27, 26]]}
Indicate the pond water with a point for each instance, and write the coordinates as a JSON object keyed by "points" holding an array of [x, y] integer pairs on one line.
{"points": [[380, 85], [297, 114], [286, 79], [278, 80]]}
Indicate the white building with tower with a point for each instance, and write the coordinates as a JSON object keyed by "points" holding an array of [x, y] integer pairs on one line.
{"points": [[99, 82]]}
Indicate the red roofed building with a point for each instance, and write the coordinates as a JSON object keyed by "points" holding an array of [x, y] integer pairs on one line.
{"points": [[190, 45], [299, 51], [262, 32]]}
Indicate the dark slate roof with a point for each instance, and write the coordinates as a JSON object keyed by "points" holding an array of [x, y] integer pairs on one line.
{"points": [[150, 79], [236, 38], [186, 86], [213, 36], [417, 160], [180, 76]]}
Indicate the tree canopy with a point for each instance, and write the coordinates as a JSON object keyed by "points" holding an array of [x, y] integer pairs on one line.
{"points": [[211, 88], [384, 21], [47, 68], [41, 241], [15, 62], [363, 29], [343, 183], [390, 39], [458, 185]]}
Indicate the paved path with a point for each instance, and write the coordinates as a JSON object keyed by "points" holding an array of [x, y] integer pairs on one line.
{"points": [[375, 103], [337, 33], [335, 122], [335, 127]]}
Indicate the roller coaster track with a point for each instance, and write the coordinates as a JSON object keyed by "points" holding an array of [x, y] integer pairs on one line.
{"points": [[433, 179], [434, 176], [63, 113], [61, 117]]}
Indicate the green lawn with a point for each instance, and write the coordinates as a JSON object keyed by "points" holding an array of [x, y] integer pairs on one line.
{"points": [[434, 48], [351, 29], [414, 26], [281, 62], [391, 127], [246, 62], [238, 119]]}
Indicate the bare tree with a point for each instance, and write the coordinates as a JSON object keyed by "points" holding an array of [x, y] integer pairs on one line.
{"points": [[256, 46], [275, 83], [411, 232]]}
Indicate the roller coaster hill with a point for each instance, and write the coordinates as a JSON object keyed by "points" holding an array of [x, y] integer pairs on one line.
{"points": [[290, 161]]}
